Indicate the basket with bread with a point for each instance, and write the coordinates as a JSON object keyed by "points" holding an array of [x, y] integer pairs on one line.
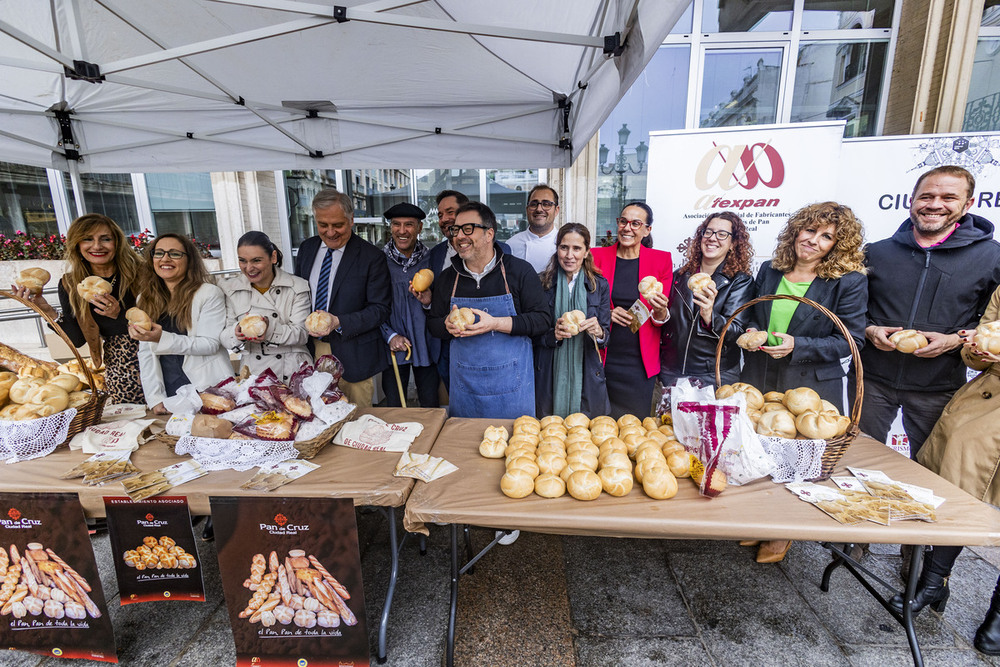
{"points": [[799, 412], [34, 390], [309, 409]]}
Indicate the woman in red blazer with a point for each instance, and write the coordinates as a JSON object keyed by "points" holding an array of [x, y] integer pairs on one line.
{"points": [[633, 360]]}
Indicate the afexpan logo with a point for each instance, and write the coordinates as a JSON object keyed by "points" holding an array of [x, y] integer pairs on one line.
{"points": [[740, 165]]}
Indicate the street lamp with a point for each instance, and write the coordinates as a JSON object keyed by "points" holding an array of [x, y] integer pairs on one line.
{"points": [[621, 165]]}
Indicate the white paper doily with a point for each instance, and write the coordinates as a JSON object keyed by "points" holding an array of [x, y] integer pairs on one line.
{"points": [[34, 438], [219, 454], [794, 460]]}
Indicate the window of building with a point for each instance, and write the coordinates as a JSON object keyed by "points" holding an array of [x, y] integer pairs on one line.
{"points": [[740, 87], [746, 16], [108, 194], [982, 107], [26, 201], [183, 204]]}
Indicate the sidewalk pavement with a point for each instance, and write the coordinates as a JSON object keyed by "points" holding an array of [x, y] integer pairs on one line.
{"points": [[592, 602]]}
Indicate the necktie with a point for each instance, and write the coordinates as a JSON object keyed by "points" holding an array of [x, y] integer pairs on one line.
{"points": [[323, 285]]}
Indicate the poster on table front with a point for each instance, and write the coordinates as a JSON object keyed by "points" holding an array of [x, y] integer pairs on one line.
{"points": [[763, 173], [877, 175], [51, 601], [154, 549], [291, 574]]}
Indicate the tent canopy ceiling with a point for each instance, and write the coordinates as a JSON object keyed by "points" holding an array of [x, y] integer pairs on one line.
{"points": [[221, 85]]}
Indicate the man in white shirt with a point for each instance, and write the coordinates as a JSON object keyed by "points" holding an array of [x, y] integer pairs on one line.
{"points": [[537, 243]]}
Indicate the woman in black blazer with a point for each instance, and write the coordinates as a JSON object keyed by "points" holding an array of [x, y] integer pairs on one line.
{"points": [[818, 257], [572, 279], [721, 248]]}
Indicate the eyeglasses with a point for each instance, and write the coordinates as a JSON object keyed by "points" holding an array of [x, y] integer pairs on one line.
{"points": [[720, 234], [172, 254], [634, 224], [468, 229], [543, 203]]}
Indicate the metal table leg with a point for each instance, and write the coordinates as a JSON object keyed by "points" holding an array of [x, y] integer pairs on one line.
{"points": [[454, 596], [383, 627]]}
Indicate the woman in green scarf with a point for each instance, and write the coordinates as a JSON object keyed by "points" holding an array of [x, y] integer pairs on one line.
{"points": [[569, 373]]}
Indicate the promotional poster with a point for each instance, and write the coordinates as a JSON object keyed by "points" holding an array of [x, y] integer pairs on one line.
{"points": [[291, 574], [154, 549], [51, 596]]}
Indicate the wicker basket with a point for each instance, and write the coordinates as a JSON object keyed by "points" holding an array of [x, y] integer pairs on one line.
{"points": [[90, 412], [835, 447], [307, 448]]}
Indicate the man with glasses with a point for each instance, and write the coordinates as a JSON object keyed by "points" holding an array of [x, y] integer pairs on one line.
{"points": [[491, 359], [537, 243]]}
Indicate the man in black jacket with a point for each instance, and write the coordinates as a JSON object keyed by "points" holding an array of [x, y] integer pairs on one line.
{"points": [[935, 275], [349, 279]]}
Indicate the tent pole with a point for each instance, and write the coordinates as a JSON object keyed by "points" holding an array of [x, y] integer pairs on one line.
{"points": [[74, 179]]}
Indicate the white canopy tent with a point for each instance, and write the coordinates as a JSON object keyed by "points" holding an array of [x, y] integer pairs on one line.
{"points": [[225, 85]]}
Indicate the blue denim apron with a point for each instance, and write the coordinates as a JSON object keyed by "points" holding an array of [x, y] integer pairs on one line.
{"points": [[492, 375]]}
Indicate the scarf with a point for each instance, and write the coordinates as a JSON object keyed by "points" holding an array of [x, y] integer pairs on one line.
{"points": [[393, 253], [567, 365]]}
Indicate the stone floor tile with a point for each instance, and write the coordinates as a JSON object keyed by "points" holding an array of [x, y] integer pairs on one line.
{"points": [[647, 652]]}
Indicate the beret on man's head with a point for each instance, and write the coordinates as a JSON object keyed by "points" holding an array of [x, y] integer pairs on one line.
{"points": [[405, 211]]}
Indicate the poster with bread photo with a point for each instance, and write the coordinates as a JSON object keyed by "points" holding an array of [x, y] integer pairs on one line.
{"points": [[154, 550], [291, 574], [51, 601]]}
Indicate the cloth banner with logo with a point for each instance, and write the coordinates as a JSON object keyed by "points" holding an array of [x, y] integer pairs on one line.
{"points": [[291, 574], [762, 173], [154, 549], [54, 605]]}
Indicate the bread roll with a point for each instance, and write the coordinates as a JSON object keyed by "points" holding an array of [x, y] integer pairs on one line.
{"points": [[511, 454], [49, 394], [7, 380], [641, 468], [551, 462], [754, 415], [616, 481], [554, 431], [577, 419], [34, 279], [650, 285], [495, 433], [517, 484], [587, 447], [529, 428], [679, 464], [602, 419], [630, 420], [672, 447], [209, 426], [698, 282], [578, 436], [78, 399], [549, 420], [987, 337], [752, 340], [770, 407], [582, 459], [572, 319], [550, 447], [778, 424], [632, 441], [68, 382], [652, 452], [253, 327], [462, 318], [603, 429], [827, 406], [548, 485], [138, 318], [657, 437], [908, 341], [526, 464], [751, 394], [584, 485], [613, 444], [612, 459], [818, 425], [92, 287], [774, 396], [492, 449], [8, 413], [34, 411], [802, 399], [659, 483], [317, 323], [18, 392], [553, 440], [422, 280], [570, 469], [530, 439], [526, 419]]}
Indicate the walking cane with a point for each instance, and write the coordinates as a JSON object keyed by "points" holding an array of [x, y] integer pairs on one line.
{"points": [[399, 382]]}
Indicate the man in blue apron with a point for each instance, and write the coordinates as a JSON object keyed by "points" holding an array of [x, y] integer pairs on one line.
{"points": [[491, 363]]}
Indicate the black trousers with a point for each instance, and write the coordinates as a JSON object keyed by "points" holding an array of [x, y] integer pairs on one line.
{"points": [[921, 410], [426, 379]]}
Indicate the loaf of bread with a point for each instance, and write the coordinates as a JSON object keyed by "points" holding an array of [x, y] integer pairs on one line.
{"points": [[422, 279], [572, 320], [33, 279], [698, 282], [908, 341], [92, 287], [802, 399], [548, 485], [584, 485], [318, 322], [517, 484], [462, 318], [659, 483], [138, 318], [818, 425], [777, 423], [752, 340], [209, 426], [650, 285], [253, 326]]}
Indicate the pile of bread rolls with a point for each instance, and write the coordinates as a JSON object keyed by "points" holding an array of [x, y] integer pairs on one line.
{"points": [[31, 397], [587, 457], [796, 413]]}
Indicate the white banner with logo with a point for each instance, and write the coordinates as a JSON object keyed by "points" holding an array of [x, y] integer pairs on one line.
{"points": [[762, 173]]}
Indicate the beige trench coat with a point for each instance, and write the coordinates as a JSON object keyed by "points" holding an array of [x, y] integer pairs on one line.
{"points": [[964, 446]]}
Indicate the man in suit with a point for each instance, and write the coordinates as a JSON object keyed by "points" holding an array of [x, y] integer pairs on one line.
{"points": [[349, 279]]}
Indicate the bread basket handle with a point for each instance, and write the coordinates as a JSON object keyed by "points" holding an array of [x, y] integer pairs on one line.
{"points": [[58, 329], [855, 354]]}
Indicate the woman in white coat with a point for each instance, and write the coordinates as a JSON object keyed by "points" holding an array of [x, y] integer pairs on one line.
{"points": [[283, 300], [186, 311]]}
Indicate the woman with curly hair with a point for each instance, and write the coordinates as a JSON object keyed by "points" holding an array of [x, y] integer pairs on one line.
{"points": [[720, 248], [187, 312], [818, 257], [96, 246]]}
